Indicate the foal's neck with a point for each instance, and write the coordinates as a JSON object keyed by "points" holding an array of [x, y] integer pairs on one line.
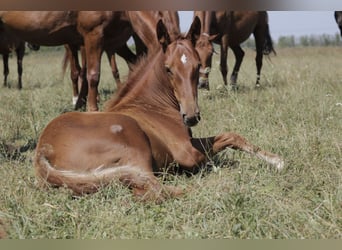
{"points": [[148, 86]]}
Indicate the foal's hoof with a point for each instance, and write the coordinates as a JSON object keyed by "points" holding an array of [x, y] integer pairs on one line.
{"points": [[280, 165]]}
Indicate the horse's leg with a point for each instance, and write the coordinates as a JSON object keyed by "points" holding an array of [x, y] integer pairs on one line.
{"points": [[93, 49], [212, 145], [20, 51], [141, 48], [127, 54], [239, 54], [6, 69], [72, 56], [259, 36], [82, 81], [146, 187], [114, 67], [223, 58]]}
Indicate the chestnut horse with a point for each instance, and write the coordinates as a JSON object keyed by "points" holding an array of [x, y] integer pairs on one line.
{"points": [[96, 30], [231, 29], [143, 129], [143, 24], [338, 19]]}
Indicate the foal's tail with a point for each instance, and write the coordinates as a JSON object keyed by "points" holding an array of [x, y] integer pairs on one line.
{"points": [[86, 182], [268, 45], [79, 182]]}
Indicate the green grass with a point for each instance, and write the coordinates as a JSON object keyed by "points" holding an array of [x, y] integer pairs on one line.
{"points": [[297, 114]]}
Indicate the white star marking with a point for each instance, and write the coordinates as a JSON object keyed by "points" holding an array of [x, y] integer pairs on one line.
{"points": [[184, 59]]}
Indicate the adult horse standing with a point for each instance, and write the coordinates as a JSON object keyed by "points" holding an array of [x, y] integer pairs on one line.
{"points": [[143, 129], [96, 30], [338, 19], [232, 28], [143, 31]]}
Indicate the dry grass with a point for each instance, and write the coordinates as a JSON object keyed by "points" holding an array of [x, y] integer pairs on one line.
{"points": [[297, 113]]}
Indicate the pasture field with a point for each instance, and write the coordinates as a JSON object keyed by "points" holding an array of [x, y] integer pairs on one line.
{"points": [[296, 113]]}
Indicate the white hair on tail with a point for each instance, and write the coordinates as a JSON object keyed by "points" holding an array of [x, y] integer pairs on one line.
{"points": [[98, 173]]}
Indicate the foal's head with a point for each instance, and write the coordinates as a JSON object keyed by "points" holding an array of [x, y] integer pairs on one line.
{"points": [[205, 49], [182, 66]]}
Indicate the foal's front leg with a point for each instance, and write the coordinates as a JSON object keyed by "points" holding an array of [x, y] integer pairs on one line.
{"points": [[215, 144]]}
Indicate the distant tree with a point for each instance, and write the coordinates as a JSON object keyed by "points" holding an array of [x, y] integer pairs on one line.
{"points": [[304, 41], [337, 39], [286, 41]]}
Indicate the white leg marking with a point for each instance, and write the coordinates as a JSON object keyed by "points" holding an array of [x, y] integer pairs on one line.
{"points": [[74, 100]]}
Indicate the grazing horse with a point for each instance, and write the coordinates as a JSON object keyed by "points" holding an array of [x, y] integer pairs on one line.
{"points": [[143, 129], [143, 24], [97, 31], [8, 44], [338, 19], [231, 28]]}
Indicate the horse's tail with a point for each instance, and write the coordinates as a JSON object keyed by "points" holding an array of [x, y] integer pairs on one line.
{"points": [[268, 44], [81, 182]]}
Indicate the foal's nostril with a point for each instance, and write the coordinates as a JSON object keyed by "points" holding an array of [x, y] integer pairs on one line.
{"points": [[191, 121]]}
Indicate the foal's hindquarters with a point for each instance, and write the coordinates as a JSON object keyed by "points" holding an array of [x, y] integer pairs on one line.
{"points": [[85, 151]]}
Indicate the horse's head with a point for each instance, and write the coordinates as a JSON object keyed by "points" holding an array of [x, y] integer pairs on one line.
{"points": [[182, 66], [205, 49]]}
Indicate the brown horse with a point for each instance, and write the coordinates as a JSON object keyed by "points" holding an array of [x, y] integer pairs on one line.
{"points": [[338, 19], [96, 30], [231, 29], [143, 129], [8, 44], [143, 24]]}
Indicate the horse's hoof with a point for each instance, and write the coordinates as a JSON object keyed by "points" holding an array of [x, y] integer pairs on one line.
{"points": [[234, 87]]}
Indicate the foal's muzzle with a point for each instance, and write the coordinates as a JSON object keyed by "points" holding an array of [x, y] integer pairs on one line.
{"points": [[191, 121]]}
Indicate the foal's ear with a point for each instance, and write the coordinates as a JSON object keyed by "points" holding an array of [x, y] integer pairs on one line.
{"points": [[194, 31], [163, 35]]}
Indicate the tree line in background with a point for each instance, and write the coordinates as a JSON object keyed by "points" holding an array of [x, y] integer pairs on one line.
{"points": [[282, 42], [301, 41]]}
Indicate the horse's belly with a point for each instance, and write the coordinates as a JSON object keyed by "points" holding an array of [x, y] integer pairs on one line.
{"points": [[50, 28]]}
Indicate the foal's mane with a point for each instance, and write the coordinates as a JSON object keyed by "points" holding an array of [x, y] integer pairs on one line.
{"points": [[146, 65]]}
